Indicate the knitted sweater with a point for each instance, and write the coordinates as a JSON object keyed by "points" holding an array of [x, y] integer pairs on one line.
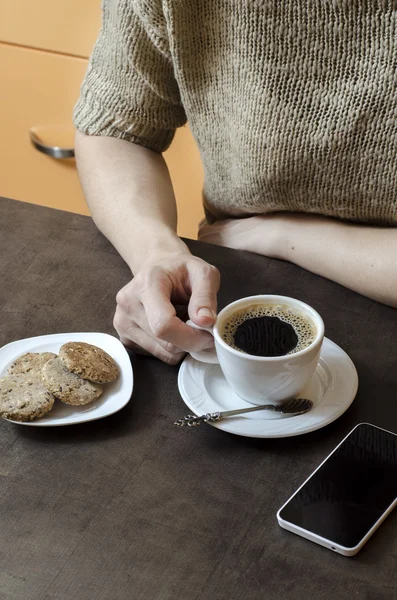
{"points": [[293, 103]]}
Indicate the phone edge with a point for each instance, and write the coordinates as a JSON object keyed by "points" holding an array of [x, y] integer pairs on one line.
{"points": [[313, 537]]}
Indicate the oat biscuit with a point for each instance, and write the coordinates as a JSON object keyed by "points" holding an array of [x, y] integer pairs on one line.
{"points": [[31, 362], [88, 361], [67, 386], [23, 397]]}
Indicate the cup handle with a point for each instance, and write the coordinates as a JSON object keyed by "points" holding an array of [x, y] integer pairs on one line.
{"points": [[206, 356]]}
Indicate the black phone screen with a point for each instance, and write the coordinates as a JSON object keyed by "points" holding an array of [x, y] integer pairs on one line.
{"points": [[347, 495]]}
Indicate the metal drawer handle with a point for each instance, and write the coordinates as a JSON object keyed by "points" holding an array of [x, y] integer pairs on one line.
{"points": [[53, 151]]}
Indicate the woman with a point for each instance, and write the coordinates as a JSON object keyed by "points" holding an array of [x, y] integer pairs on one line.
{"points": [[294, 108]]}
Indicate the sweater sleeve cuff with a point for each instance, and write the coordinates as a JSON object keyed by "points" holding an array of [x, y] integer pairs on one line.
{"points": [[91, 118]]}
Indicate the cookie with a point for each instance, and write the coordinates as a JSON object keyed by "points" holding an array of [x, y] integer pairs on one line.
{"points": [[67, 386], [32, 362], [90, 362], [23, 397]]}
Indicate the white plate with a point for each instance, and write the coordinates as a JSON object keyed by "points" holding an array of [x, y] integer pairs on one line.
{"points": [[332, 389], [115, 395]]}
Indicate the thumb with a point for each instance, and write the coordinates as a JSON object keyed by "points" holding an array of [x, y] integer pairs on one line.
{"points": [[204, 284]]}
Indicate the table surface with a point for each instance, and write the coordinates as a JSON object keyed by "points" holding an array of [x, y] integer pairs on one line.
{"points": [[132, 507]]}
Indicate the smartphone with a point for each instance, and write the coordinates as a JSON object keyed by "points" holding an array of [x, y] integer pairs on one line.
{"points": [[348, 496]]}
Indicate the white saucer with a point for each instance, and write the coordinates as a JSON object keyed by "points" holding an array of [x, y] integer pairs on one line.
{"points": [[332, 389], [115, 395]]}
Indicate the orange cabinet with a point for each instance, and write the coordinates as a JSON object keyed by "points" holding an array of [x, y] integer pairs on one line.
{"points": [[41, 89], [43, 45], [184, 164], [66, 26]]}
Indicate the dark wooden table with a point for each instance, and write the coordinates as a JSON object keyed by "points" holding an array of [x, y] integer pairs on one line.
{"points": [[132, 508]]}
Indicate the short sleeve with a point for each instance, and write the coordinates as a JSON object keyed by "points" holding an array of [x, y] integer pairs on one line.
{"points": [[130, 91]]}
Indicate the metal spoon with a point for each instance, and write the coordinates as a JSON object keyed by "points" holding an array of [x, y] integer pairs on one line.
{"points": [[296, 406]]}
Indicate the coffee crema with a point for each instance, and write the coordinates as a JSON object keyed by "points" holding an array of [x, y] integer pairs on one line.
{"points": [[268, 330]]}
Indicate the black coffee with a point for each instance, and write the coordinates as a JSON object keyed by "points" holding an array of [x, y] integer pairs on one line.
{"points": [[268, 330], [265, 336]]}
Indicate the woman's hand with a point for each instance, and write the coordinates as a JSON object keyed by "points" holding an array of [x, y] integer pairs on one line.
{"points": [[256, 234], [146, 316]]}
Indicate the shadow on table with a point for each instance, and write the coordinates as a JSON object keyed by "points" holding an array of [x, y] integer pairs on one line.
{"points": [[120, 424], [332, 434]]}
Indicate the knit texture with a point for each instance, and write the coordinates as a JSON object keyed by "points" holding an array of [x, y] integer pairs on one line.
{"points": [[293, 103]]}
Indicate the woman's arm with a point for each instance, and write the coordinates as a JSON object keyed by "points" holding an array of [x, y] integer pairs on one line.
{"points": [[130, 194], [360, 257]]}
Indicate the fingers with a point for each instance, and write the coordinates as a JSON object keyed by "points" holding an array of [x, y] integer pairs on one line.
{"points": [[146, 318], [164, 323], [145, 314], [213, 234], [204, 284], [205, 232], [128, 324], [147, 344]]}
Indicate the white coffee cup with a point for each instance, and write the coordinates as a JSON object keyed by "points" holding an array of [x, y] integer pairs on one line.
{"points": [[264, 379]]}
